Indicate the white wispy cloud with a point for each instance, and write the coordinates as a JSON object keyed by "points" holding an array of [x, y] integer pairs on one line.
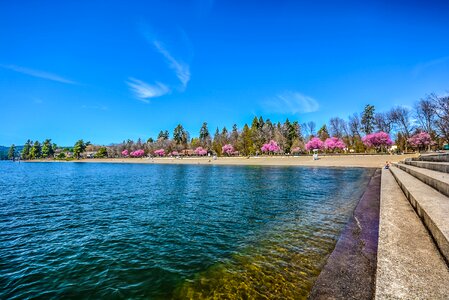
{"points": [[422, 66], [292, 102], [38, 74], [181, 69], [144, 91]]}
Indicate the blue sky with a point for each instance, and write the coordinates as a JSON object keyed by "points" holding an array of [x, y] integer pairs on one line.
{"points": [[106, 71]]}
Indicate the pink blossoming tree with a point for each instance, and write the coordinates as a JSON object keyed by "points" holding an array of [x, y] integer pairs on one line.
{"points": [[315, 143], [334, 143], [200, 151], [137, 153], [271, 147], [175, 153], [125, 153], [378, 140], [227, 149], [159, 152], [420, 140]]}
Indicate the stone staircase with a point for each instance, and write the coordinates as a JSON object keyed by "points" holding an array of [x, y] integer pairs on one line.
{"points": [[413, 248]]}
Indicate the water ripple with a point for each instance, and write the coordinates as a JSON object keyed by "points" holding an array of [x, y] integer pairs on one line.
{"points": [[161, 231]]}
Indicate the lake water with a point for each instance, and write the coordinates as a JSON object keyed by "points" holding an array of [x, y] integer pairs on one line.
{"points": [[79, 230]]}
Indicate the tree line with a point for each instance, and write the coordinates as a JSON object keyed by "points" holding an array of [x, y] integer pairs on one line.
{"points": [[429, 115]]}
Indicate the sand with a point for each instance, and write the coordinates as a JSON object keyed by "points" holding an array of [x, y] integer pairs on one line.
{"points": [[364, 161]]}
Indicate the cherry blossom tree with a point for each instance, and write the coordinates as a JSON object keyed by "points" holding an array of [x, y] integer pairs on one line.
{"points": [[125, 153], [315, 143], [271, 147], [334, 143], [200, 151], [420, 140], [378, 140], [159, 152], [227, 149], [137, 153]]}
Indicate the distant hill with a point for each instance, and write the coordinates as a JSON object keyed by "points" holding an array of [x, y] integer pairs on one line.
{"points": [[4, 151]]}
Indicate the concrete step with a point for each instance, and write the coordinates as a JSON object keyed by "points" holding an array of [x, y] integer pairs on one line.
{"points": [[441, 157], [435, 179], [435, 166], [409, 265], [431, 206]]}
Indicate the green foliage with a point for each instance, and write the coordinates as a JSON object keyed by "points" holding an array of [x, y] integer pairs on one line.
{"points": [[323, 134], [101, 153], [217, 142], [368, 119], [36, 151], [246, 142], [12, 152], [291, 132], [79, 148], [205, 139], [47, 149], [256, 134], [163, 135], [61, 155], [26, 150], [195, 142], [180, 136]]}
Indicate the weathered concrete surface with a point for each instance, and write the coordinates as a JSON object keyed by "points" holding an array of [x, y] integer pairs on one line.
{"points": [[431, 206], [350, 270], [441, 157], [409, 266], [437, 180], [431, 165]]}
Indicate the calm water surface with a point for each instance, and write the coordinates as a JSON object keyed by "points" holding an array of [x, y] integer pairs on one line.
{"points": [[79, 230]]}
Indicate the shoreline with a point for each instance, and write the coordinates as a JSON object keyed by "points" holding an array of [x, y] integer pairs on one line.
{"points": [[350, 161], [350, 269]]}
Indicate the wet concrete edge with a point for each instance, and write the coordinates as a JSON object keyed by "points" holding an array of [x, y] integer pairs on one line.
{"points": [[350, 271]]}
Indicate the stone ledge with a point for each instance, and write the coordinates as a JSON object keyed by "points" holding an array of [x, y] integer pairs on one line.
{"points": [[435, 166], [430, 205], [437, 180], [409, 265]]}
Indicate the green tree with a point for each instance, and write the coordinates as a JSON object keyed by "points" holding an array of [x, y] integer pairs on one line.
{"points": [[205, 136], [323, 134], [257, 135], [224, 136], [26, 150], [12, 152], [217, 142], [234, 137], [180, 136], [368, 119], [101, 153], [36, 150], [163, 135], [246, 142], [195, 142], [47, 149], [79, 148], [291, 132]]}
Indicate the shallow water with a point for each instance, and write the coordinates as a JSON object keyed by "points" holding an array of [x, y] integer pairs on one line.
{"points": [[169, 231]]}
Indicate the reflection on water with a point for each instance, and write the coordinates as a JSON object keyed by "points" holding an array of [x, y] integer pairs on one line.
{"points": [[165, 231]]}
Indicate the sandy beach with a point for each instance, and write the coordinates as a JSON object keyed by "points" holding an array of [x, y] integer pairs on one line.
{"points": [[364, 161]]}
